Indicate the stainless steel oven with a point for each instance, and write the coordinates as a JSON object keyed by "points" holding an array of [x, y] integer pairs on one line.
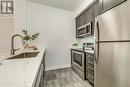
{"points": [[78, 62]]}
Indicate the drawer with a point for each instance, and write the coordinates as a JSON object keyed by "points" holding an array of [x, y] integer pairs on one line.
{"points": [[91, 81], [90, 55], [90, 76], [90, 70], [91, 65], [90, 60]]}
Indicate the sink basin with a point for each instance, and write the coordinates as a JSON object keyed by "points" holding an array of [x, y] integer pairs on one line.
{"points": [[25, 55]]}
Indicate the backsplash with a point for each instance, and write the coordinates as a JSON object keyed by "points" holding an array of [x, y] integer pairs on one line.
{"points": [[80, 41]]}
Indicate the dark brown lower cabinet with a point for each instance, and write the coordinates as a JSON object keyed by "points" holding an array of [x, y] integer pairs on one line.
{"points": [[40, 75], [90, 68]]}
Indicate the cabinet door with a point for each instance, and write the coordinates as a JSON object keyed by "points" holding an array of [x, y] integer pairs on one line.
{"points": [[86, 16], [39, 76], [77, 22], [90, 68], [106, 5], [82, 20], [90, 14], [96, 8], [109, 4], [117, 2]]}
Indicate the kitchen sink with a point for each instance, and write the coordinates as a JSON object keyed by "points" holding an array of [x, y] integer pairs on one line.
{"points": [[25, 55]]}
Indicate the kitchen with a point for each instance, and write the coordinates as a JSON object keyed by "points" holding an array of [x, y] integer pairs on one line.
{"points": [[83, 43]]}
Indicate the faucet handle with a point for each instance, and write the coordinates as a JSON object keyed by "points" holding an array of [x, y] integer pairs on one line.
{"points": [[16, 49], [13, 51]]}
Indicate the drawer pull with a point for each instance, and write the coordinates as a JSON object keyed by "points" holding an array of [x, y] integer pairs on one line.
{"points": [[91, 68], [90, 62]]}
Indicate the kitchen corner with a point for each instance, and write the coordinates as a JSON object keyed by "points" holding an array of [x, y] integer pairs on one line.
{"points": [[20, 72]]}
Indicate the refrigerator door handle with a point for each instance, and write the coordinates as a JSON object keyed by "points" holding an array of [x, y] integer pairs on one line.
{"points": [[97, 52], [97, 41], [97, 27]]}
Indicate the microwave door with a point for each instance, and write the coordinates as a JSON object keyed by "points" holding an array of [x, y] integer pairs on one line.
{"points": [[82, 31]]}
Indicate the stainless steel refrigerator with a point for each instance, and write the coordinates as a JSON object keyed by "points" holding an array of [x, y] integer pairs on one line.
{"points": [[112, 47]]}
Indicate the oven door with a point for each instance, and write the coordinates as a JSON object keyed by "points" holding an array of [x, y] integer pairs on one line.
{"points": [[78, 60]]}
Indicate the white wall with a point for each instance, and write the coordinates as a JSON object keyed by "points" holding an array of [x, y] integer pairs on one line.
{"points": [[6, 31], [10, 24], [57, 32], [20, 15], [19, 20]]}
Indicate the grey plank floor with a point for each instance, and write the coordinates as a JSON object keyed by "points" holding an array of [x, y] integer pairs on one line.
{"points": [[64, 78]]}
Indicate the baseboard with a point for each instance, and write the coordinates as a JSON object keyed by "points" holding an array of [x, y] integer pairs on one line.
{"points": [[57, 67]]}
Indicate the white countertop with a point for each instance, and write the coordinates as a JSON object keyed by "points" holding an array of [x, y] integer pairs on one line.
{"points": [[19, 72]]}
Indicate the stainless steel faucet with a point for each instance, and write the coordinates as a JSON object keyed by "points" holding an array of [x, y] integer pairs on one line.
{"points": [[12, 43]]}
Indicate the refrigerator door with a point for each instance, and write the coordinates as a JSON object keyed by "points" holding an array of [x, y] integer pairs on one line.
{"points": [[96, 37], [112, 69], [112, 47], [104, 66], [115, 24]]}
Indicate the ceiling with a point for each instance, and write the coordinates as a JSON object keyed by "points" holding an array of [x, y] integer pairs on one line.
{"points": [[63, 4]]}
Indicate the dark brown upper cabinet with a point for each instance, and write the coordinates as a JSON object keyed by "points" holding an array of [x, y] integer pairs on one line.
{"points": [[77, 22], [96, 8], [106, 5], [82, 20], [89, 14], [86, 16]]}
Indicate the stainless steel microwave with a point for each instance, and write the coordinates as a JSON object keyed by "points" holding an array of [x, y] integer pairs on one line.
{"points": [[84, 30], [81, 31]]}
